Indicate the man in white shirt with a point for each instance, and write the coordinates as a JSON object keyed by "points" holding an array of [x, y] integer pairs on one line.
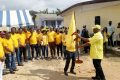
{"points": [[111, 31]]}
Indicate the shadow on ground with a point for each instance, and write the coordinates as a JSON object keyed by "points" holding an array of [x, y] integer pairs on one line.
{"points": [[53, 75]]}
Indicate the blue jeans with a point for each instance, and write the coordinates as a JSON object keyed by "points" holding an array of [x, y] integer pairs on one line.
{"points": [[28, 51], [10, 61], [45, 50], [17, 55], [70, 55]]}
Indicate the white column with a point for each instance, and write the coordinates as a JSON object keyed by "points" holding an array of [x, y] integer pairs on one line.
{"points": [[56, 23]]}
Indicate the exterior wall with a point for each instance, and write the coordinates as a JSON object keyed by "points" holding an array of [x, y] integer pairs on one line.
{"points": [[85, 15]]}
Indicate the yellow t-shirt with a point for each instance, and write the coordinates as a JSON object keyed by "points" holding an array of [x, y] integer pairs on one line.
{"points": [[8, 43], [44, 40], [70, 44], [58, 38], [33, 38], [15, 38], [39, 38], [1, 48], [22, 39], [27, 36], [63, 39], [96, 48], [51, 36]]}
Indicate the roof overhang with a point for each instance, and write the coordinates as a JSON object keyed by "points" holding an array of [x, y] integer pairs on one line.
{"points": [[87, 3]]}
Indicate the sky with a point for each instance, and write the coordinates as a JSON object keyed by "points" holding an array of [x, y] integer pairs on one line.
{"points": [[37, 4]]}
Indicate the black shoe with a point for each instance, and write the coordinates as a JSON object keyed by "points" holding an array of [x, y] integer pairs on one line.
{"points": [[96, 78], [65, 73], [12, 72], [20, 64], [72, 72]]}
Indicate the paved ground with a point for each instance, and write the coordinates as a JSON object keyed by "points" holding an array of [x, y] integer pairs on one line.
{"points": [[53, 70]]}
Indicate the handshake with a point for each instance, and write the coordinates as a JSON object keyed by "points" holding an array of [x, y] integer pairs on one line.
{"points": [[77, 39]]}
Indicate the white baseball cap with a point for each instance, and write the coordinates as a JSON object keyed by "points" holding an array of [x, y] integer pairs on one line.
{"points": [[97, 26]]}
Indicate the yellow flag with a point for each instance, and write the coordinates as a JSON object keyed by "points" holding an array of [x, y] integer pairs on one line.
{"points": [[71, 30], [72, 27]]}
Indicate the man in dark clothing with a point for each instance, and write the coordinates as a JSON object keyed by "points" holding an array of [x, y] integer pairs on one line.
{"points": [[85, 34]]}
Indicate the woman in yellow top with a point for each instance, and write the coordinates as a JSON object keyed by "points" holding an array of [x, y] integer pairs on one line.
{"points": [[22, 46], [44, 44], [33, 43], [58, 41], [105, 38], [39, 38], [9, 53]]}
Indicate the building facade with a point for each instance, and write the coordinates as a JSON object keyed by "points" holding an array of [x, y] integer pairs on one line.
{"points": [[49, 20], [85, 13]]}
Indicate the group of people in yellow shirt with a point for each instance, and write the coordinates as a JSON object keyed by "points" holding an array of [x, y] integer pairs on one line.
{"points": [[24, 44]]}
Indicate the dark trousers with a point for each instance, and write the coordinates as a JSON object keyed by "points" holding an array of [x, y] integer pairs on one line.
{"points": [[23, 53], [110, 41], [64, 51], [10, 61], [98, 68], [59, 48], [44, 51], [105, 47], [33, 49], [17, 55], [52, 48], [39, 48], [70, 55]]}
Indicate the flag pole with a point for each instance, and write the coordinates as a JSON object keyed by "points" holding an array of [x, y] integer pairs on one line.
{"points": [[78, 61]]}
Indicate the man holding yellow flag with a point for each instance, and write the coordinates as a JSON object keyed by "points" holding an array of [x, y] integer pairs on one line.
{"points": [[70, 47]]}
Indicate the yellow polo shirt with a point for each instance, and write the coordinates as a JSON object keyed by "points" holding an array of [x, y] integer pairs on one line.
{"points": [[44, 40], [39, 38], [58, 38], [33, 38], [70, 43], [15, 38], [8, 43], [96, 48], [51, 36], [1, 49], [22, 39]]}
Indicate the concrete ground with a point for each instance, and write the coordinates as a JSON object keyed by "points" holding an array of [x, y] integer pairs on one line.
{"points": [[53, 70]]}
